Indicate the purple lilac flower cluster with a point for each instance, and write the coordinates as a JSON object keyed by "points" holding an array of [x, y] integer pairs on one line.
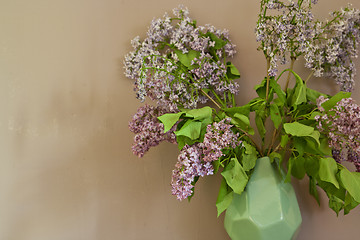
{"points": [[157, 70], [328, 47], [287, 34], [219, 136], [188, 167], [333, 56], [342, 126], [196, 160], [149, 132]]}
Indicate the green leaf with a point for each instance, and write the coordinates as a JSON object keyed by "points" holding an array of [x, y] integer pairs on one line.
{"points": [[301, 130], [232, 71], [335, 99], [244, 110], [299, 95], [284, 140], [350, 204], [200, 114], [242, 122], [277, 88], [261, 89], [289, 170], [190, 129], [187, 58], [328, 170], [275, 115], [351, 182], [219, 43], [298, 167], [312, 166], [335, 204], [235, 176], [249, 157], [259, 121], [298, 129], [169, 120], [299, 91], [275, 156], [324, 147], [224, 198], [313, 190], [312, 95], [216, 165], [300, 145], [315, 135], [182, 141]]}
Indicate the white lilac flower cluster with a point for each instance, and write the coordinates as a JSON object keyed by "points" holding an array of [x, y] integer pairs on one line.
{"points": [[160, 63], [342, 126], [333, 56], [219, 136], [328, 47], [149, 132], [188, 167], [287, 34], [196, 160]]}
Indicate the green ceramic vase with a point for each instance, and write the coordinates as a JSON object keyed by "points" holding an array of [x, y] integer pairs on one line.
{"points": [[266, 210]]}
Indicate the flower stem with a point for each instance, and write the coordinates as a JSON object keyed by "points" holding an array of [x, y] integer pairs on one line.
{"points": [[211, 99], [252, 140], [291, 67], [267, 78], [310, 75]]}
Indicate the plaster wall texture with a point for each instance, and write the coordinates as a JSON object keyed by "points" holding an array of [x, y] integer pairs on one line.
{"points": [[67, 171]]}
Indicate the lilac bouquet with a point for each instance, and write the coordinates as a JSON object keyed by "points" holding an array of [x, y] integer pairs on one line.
{"points": [[185, 70]]}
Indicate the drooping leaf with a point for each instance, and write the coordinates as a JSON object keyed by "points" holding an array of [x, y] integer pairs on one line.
{"points": [[232, 71], [335, 99], [312, 166], [335, 204], [298, 129], [261, 89], [200, 114], [299, 91], [328, 170], [298, 167], [278, 90], [275, 115], [313, 189], [224, 198], [260, 115], [351, 182], [249, 157], [183, 140], [242, 122], [284, 140], [245, 110], [235, 176], [169, 120], [190, 129], [350, 204], [312, 95]]}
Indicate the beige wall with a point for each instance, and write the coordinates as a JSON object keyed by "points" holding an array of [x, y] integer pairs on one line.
{"points": [[67, 171]]}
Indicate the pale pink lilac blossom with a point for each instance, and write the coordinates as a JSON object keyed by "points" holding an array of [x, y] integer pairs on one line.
{"points": [[196, 160], [341, 124], [149, 131]]}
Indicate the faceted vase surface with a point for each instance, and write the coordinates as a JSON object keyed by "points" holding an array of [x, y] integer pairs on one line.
{"points": [[266, 210]]}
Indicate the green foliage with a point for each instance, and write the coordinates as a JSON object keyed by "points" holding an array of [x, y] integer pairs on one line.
{"points": [[335, 99], [187, 58], [224, 198], [235, 176]]}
